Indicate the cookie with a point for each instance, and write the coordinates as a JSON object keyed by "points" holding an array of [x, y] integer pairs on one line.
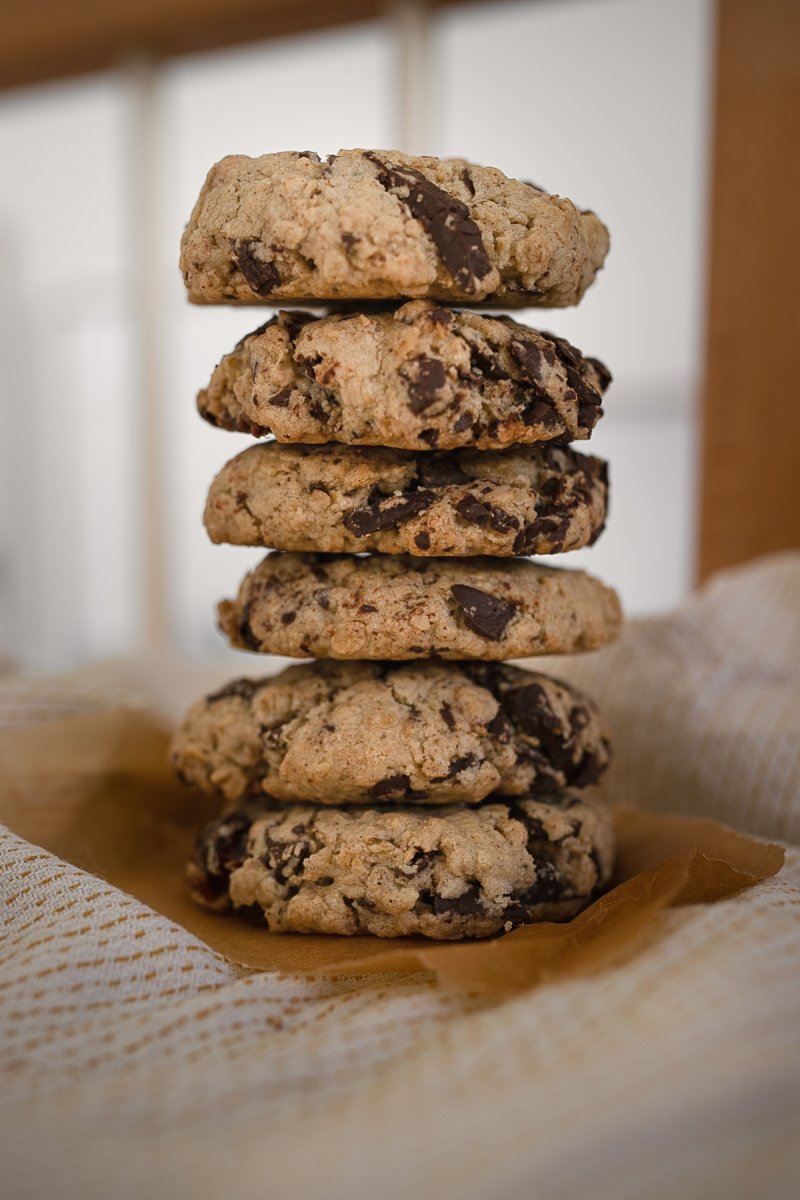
{"points": [[415, 377], [445, 874], [398, 607], [528, 500], [374, 225], [427, 733]]}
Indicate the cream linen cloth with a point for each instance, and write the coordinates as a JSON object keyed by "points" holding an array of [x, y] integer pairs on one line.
{"points": [[138, 1063]]}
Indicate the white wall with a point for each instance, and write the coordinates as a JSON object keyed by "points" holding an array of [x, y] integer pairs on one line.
{"points": [[603, 100], [607, 102]]}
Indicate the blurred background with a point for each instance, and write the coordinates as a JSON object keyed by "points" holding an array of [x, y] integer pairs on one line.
{"points": [[109, 120]]}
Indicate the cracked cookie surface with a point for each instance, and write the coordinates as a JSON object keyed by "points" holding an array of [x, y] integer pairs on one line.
{"points": [[414, 377], [526, 500], [369, 224], [388, 733], [444, 874], [399, 607]]}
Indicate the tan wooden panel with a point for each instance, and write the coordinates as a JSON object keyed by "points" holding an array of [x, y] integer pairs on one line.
{"points": [[750, 487], [48, 39]]}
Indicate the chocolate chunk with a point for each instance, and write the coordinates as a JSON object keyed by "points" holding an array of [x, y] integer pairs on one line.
{"points": [[456, 767], [221, 848], [367, 608], [468, 181], [309, 366], [245, 689], [474, 511], [498, 726], [485, 363], [431, 436], [389, 513], [439, 470], [429, 378], [534, 825], [322, 598], [245, 629], [261, 276], [549, 885], [318, 411], [574, 366], [440, 316], [293, 321], [281, 398], [349, 240], [540, 411], [393, 785], [503, 522], [485, 614], [233, 424], [463, 422], [285, 859], [455, 235], [447, 715], [602, 372], [288, 617], [324, 881], [485, 515], [552, 530], [589, 771], [529, 709], [468, 904], [422, 540], [529, 357], [422, 859]]}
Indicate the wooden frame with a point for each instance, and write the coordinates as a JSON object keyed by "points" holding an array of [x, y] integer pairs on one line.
{"points": [[750, 465]]}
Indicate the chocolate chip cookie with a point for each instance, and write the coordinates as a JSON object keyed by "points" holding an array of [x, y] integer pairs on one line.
{"points": [[527, 500], [413, 377], [445, 874], [372, 225], [399, 607], [388, 733]]}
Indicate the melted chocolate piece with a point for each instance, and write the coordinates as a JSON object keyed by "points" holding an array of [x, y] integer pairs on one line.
{"points": [[483, 613], [245, 629], [468, 904], [456, 236], [602, 371], [486, 515], [394, 785], [220, 849], [422, 389], [261, 276], [388, 513], [439, 470]]}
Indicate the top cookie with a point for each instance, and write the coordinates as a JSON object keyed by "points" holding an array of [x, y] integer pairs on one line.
{"points": [[379, 225]]}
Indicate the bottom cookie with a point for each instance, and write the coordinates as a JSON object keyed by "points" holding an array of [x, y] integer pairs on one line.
{"points": [[453, 873]]}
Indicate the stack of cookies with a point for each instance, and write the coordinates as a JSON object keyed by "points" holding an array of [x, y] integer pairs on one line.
{"points": [[408, 781]]}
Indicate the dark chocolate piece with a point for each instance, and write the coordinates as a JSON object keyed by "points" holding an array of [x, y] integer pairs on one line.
{"points": [[260, 275], [455, 235], [485, 614], [388, 513]]}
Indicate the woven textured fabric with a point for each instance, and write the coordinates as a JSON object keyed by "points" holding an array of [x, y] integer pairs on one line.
{"points": [[135, 1061]]}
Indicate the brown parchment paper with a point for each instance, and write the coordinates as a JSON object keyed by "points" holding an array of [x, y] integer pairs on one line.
{"points": [[96, 791]]}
